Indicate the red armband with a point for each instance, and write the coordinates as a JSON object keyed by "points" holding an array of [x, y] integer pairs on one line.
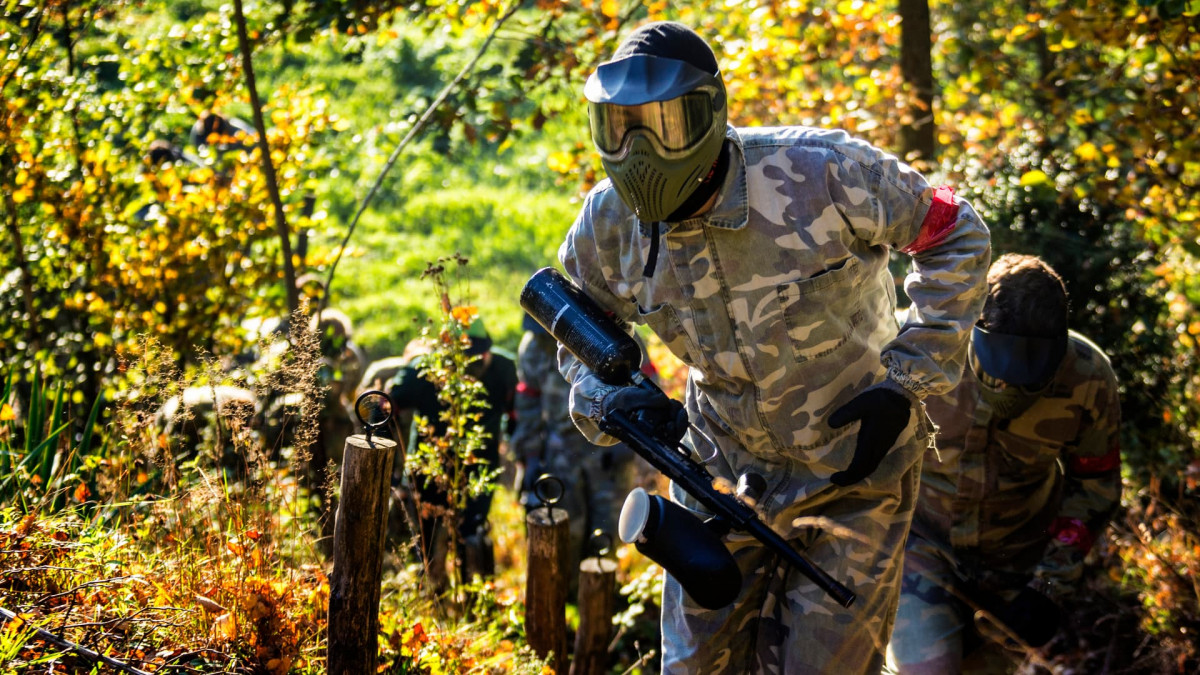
{"points": [[1072, 532], [1086, 467], [524, 389], [939, 221]]}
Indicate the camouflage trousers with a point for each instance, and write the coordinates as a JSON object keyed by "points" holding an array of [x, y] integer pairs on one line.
{"points": [[781, 621], [936, 631]]}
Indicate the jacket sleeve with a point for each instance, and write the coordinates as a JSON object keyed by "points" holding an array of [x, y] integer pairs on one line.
{"points": [[887, 203], [1091, 489], [530, 434], [509, 384], [408, 390], [581, 263]]}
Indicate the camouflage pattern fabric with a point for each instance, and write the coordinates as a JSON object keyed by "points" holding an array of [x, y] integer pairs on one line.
{"points": [[541, 442], [995, 507], [780, 302], [596, 478], [935, 627], [339, 373]]}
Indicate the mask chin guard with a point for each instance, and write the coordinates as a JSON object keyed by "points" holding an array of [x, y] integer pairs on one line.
{"points": [[689, 549]]}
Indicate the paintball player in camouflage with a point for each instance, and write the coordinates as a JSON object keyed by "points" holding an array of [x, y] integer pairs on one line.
{"points": [[1025, 476], [222, 133], [342, 365], [497, 373], [595, 478], [759, 256]]}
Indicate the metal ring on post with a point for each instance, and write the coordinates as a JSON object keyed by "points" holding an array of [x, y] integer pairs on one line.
{"points": [[549, 489], [600, 543], [374, 410]]}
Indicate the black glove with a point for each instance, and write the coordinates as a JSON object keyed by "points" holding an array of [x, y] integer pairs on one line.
{"points": [[1032, 616], [666, 417], [884, 414]]}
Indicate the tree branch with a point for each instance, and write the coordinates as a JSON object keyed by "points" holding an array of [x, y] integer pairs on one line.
{"points": [[78, 649], [34, 31], [412, 133], [281, 226]]}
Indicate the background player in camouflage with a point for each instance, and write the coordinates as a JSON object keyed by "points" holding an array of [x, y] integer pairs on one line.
{"points": [[999, 525], [409, 392], [759, 256], [596, 478]]}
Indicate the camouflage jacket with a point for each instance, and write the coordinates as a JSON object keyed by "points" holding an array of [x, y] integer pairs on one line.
{"points": [[542, 395], [410, 391], [542, 403], [779, 298], [1029, 493]]}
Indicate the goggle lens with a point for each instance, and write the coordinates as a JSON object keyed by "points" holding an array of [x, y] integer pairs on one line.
{"points": [[678, 124]]}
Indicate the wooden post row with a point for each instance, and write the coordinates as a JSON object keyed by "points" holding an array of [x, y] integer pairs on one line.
{"points": [[546, 583], [597, 592], [358, 539]]}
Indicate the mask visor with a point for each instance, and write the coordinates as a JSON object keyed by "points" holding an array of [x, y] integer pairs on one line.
{"points": [[676, 125], [1015, 359]]}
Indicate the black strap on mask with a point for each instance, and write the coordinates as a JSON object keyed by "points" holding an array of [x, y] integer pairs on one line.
{"points": [[652, 258], [707, 188]]}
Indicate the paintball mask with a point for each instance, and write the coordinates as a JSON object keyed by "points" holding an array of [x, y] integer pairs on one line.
{"points": [[658, 124], [686, 547], [1014, 369]]}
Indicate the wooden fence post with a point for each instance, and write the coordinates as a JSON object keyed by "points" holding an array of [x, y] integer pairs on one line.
{"points": [[546, 583], [597, 591], [358, 539]]}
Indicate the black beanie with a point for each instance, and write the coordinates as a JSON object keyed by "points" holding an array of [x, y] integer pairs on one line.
{"points": [[669, 40]]}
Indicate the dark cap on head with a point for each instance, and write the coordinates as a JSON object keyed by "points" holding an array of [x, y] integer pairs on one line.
{"points": [[163, 151], [481, 341], [669, 40]]}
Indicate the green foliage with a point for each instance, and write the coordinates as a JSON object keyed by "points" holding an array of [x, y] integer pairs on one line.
{"points": [[102, 244], [448, 453], [41, 458]]}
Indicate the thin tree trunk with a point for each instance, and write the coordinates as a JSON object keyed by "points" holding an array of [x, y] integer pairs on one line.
{"points": [[1043, 86], [917, 140], [72, 70], [281, 226], [32, 329]]}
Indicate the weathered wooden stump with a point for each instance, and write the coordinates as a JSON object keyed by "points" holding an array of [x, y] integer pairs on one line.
{"points": [[597, 602], [358, 538], [546, 583]]}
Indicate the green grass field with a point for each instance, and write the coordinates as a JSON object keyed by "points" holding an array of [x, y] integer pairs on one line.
{"points": [[506, 233]]}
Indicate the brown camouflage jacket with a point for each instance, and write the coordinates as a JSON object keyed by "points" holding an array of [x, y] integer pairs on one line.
{"points": [[1029, 493], [542, 394], [779, 298]]}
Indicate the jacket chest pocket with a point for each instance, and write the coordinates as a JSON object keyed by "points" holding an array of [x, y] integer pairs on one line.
{"points": [[1020, 454], [665, 323], [822, 311]]}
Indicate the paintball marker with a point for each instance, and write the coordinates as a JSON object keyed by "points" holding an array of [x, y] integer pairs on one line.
{"points": [[581, 326]]}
